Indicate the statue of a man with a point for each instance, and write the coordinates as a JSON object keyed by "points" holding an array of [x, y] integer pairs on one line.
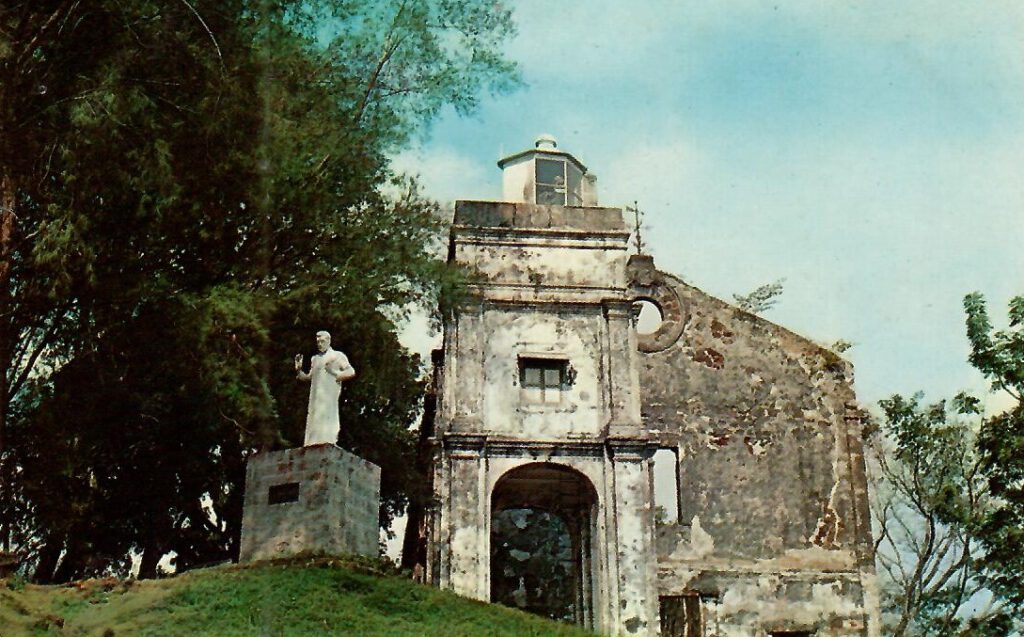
{"points": [[327, 370]]}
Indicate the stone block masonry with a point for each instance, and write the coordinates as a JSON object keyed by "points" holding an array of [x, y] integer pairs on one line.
{"points": [[317, 499]]}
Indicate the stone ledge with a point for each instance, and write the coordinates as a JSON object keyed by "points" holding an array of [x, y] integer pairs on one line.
{"points": [[498, 214]]}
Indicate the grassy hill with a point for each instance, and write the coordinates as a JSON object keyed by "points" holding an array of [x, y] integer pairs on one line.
{"points": [[320, 596]]}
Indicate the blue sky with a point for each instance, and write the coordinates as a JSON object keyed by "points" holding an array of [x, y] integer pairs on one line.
{"points": [[868, 152]]}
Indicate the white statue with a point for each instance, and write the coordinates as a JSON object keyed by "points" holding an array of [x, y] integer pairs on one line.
{"points": [[327, 371]]}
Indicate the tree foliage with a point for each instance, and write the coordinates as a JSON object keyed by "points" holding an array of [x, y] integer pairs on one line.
{"points": [[949, 497], [999, 355], [189, 191], [930, 498], [761, 299]]}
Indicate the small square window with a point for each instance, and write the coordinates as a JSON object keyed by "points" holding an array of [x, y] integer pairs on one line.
{"points": [[544, 379]]}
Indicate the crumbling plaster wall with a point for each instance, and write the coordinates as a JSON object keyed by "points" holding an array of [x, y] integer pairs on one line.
{"points": [[545, 278], [772, 493], [539, 253], [527, 333], [551, 284]]}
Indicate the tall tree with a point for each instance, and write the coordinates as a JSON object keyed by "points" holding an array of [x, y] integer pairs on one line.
{"points": [[205, 187], [89, 96], [929, 500], [999, 355], [948, 498]]}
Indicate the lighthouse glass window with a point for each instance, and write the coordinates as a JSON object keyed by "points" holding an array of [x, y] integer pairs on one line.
{"points": [[542, 380], [558, 183]]}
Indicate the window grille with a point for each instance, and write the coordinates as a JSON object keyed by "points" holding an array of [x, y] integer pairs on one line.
{"points": [[558, 182], [543, 379]]}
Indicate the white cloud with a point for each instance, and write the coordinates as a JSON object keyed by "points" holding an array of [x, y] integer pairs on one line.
{"points": [[448, 175]]}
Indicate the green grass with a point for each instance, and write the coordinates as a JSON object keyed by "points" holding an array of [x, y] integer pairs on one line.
{"points": [[322, 596]]}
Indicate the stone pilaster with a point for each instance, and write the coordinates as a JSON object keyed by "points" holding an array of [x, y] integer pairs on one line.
{"points": [[635, 595], [468, 380], [623, 379], [464, 518]]}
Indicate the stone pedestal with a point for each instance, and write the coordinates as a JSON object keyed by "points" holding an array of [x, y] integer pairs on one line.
{"points": [[318, 499]]}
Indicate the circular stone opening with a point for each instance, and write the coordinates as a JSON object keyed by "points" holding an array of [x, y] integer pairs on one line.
{"points": [[647, 316]]}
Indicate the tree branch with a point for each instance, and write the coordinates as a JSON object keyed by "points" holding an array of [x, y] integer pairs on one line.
{"points": [[387, 52], [43, 341], [27, 49], [208, 32]]}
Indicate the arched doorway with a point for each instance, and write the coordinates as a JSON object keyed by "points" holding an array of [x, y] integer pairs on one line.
{"points": [[543, 517]]}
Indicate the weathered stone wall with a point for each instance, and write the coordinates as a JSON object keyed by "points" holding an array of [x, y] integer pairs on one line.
{"points": [[537, 253], [318, 499], [551, 286], [521, 332], [774, 526], [549, 281], [772, 495], [506, 214]]}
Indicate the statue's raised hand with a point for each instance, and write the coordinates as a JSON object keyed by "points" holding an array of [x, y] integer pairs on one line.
{"points": [[298, 362]]}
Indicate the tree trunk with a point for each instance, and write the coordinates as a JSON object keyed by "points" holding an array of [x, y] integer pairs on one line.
{"points": [[8, 194], [71, 565], [414, 543], [48, 557], [6, 469], [150, 561]]}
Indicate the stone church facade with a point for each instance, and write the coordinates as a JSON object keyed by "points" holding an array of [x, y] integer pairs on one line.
{"points": [[548, 399]]}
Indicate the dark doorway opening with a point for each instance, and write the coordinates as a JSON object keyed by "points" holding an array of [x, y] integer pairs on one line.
{"points": [[681, 616], [542, 525]]}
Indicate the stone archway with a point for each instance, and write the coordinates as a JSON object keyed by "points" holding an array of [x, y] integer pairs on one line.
{"points": [[543, 517]]}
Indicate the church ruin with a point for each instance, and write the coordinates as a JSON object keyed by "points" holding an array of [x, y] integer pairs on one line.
{"points": [[550, 408]]}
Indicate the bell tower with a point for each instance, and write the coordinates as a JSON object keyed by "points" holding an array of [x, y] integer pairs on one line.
{"points": [[538, 413], [546, 175]]}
